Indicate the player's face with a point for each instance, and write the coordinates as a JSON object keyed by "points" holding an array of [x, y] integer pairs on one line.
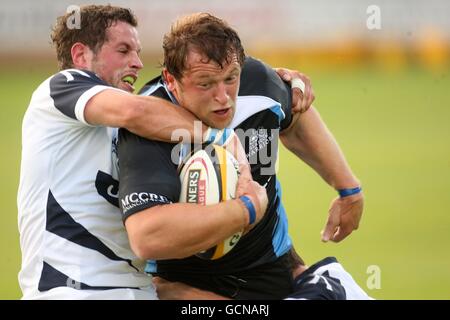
{"points": [[207, 90], [117, 62]]}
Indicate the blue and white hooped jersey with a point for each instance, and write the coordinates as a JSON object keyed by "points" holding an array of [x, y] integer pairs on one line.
{"points": [[74, 244]]}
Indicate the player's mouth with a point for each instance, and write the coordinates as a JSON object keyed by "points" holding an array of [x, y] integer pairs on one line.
{"points": [[223, 112], [129, 81]]}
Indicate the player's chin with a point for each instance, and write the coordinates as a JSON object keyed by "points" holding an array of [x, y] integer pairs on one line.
{"points": [[222, 119], [125, 86]]}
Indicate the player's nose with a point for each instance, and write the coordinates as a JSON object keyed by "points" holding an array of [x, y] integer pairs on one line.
{"points": [[136, 62], [221, 94]]}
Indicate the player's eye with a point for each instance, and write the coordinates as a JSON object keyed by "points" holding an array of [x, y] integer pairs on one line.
{"points": [[231, 79], [204, 85]]}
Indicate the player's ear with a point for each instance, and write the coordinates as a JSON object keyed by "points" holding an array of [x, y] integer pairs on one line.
{"points": [[81, 56], [169, 79]]}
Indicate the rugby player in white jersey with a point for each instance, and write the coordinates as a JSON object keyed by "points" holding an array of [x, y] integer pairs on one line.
{"points": [[73, 242]]}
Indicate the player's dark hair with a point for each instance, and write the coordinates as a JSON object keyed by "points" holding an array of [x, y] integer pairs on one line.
{"points": [[209, 35], [94, 22]]}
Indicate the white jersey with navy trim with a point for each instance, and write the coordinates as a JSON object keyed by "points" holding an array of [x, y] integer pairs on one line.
{"points": [[327, 280], [74, 244]]}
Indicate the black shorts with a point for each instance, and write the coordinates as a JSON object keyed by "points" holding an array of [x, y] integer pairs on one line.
{"points": [[269, 281]]}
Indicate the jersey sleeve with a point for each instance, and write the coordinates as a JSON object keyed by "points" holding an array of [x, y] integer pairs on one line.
{"points": [[71, 90], [258, 78], [317, 287], [148, 177]]}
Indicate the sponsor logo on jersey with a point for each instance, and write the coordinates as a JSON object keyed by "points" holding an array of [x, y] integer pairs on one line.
{"points": [[137, 199]]}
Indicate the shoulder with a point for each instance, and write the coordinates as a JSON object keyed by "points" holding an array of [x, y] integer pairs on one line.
{"points": [[156, 88], [129, 140], [258, 72], [258, 78], [70, 76]]}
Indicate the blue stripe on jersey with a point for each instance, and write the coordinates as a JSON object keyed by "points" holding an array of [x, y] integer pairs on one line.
{"points": [[281, 240], [151, 89], [151, 266], [148, 91], [279, 112], [62, 224]]}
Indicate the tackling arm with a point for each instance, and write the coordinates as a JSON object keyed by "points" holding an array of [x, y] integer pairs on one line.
{"points": [[149, 117]]}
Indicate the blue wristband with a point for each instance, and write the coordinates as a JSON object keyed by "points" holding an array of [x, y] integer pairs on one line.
{"points": [[348, 192], [250, 207]]}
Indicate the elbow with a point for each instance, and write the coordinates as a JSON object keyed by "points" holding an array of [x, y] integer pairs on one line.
{"points": [[141, 236], [143, 249]]}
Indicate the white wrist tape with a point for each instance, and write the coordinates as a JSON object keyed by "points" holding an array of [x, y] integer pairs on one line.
{"points": [[298, 83]]}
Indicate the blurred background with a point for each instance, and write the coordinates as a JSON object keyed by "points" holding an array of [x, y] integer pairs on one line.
{"points": [[380, 71]]}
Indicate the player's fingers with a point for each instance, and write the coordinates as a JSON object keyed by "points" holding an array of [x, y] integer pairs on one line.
{"points": [[330, 229], [242, 185], [312, 97], [341, 234], [157, 281], [297, 97], [332, 223], [245, 171], [284, 74], [307, 93]]}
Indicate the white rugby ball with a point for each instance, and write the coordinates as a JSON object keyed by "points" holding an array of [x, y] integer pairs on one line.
{"points": [[210, 176]]}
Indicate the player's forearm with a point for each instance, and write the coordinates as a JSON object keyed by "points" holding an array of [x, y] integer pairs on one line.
{"points": [[158, 119], [180, 230], [148, 117], [310, 140]]}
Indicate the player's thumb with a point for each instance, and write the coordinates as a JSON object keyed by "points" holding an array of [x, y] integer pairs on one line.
{"points": [[331, 225]]}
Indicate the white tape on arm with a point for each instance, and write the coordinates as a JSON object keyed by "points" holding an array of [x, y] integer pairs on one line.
{"points": [[298, 83]]}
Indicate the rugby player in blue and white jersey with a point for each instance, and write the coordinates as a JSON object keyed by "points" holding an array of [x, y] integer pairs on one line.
{"points": [[203, 61]]}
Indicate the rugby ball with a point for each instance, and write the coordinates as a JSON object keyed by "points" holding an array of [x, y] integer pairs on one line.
{"points": [[207, 177]]}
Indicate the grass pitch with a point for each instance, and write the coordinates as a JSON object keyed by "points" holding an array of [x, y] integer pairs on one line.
{"points": [[394, 129]]}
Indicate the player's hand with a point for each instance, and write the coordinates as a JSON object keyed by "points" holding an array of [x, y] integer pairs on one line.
{"points": [[168, 290], [343, 217], [234, 146], [301, 101], [257, 195]]}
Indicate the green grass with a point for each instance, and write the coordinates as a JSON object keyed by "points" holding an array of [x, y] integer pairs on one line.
{"points": [[394, 129]]}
